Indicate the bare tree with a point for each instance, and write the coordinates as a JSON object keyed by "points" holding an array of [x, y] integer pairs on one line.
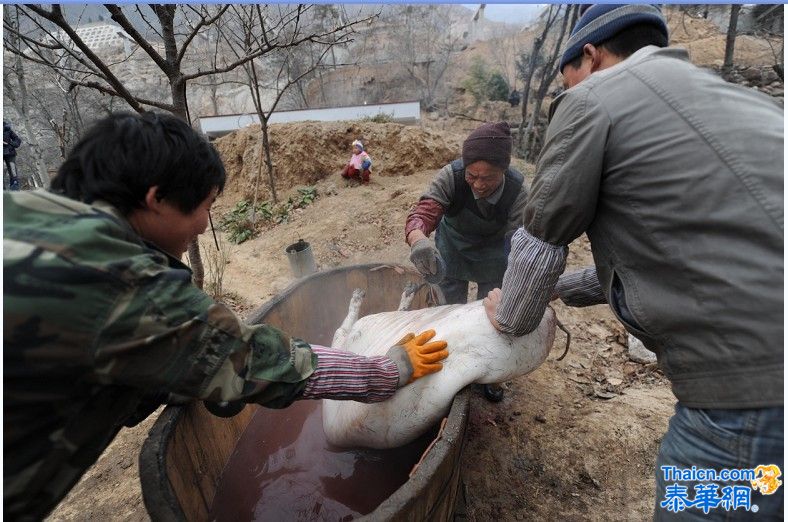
{"points": [[505, 57], [253, 27], [778, 57], [17, 91], [50, 114], [308, 63], [65, 52], [768, 24], [730, 39], [65, 119], [548, 73], [528, 63], [426, 47]]}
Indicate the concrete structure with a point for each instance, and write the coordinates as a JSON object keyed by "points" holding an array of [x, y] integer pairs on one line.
{"points": [[401, 112], [99, 36]]}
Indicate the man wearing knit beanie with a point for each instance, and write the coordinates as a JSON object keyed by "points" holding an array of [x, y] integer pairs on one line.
{"points": [[474, 204], [676, 177], [492, 142]]}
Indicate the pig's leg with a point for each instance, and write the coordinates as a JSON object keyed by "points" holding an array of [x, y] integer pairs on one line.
{"points": [[352, 316], [407, 296]]}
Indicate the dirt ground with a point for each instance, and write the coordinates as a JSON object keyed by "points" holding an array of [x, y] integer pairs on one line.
{"points": [[576, 439]]}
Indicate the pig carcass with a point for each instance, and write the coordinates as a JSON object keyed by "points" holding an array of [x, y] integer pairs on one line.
{"points": [[477, 354]]}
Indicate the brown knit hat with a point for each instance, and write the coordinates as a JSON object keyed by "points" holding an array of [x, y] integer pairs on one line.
{"points": [[492, 142]]}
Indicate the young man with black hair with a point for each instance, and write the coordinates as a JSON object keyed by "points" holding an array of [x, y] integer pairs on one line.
{"points": [[676, 176], [100, 315]]}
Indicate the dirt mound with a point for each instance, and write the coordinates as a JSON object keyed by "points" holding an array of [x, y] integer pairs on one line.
{"points": [[705, 42], [684, 28], [304, 153], [749, 50]]}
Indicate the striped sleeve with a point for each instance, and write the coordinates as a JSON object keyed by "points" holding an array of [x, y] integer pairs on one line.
{"points": [[580, 288], [342, 375], [531, 275]]}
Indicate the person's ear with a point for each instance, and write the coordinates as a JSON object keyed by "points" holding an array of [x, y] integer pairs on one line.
{"points": [[594, 54], [152, 199]]}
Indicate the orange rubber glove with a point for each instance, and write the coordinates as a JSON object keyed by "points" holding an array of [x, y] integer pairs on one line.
{"points": [[415, 357]]}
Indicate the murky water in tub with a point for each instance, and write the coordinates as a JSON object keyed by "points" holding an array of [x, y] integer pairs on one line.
{"points": [[283, 469]]}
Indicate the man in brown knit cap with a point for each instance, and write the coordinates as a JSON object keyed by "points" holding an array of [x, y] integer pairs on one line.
{"points": [[475, 203]]}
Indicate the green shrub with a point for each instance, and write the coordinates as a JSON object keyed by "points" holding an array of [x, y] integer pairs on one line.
{"points": [[381, 117], [305, 196], [476, 82], [240, 224], [497, 87], [484, 84]]}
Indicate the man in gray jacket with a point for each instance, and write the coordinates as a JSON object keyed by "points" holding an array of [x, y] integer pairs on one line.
{"points": [[676, 176]]}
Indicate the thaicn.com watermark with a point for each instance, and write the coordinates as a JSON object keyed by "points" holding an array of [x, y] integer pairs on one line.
{"points": [[711, 495]]}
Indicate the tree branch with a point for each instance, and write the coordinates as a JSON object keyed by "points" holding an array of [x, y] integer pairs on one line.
{"points": [[150, 25], [202, 23], [35, 46], [107, 90], [116, 13], [56, 17]]}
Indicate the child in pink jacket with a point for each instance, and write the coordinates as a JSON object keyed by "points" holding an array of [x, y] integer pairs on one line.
{"points": [[359, 165]]}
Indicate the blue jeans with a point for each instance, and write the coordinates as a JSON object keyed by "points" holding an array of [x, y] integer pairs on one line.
{"points": [[718, 439]]}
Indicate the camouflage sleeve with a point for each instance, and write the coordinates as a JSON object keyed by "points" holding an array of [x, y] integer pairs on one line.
{"points": [[166, 334]]}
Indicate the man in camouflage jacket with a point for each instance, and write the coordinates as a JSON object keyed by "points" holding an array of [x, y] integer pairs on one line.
{"points": [[102, 321]]}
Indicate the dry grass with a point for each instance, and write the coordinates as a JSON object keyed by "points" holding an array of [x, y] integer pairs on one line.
{"points": [[215, 262]]}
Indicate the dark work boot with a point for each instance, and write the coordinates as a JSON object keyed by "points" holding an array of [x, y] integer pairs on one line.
{"points": [[493, 392]]}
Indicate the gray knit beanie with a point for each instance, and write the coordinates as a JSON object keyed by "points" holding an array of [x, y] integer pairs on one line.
{"points": [[601, 22], [492, 142]]}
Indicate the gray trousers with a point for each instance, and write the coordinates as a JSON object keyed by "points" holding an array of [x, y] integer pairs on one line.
{"points": [[455, 291]]}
